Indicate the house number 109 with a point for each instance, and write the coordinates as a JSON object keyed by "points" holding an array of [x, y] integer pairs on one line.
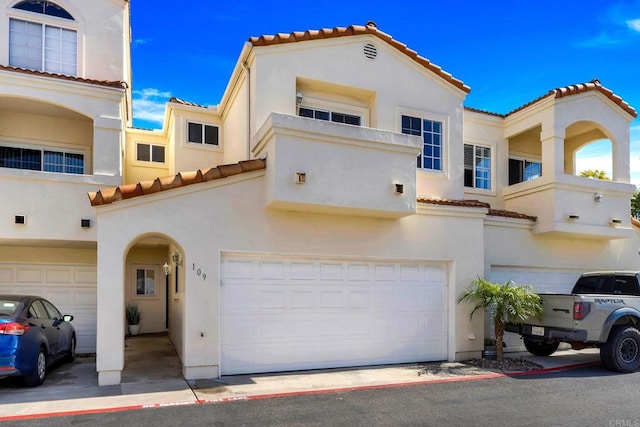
{"points": [[199, 272]]}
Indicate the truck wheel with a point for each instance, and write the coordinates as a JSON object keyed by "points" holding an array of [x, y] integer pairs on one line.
{"points": [[621, 352], [545, 348]]}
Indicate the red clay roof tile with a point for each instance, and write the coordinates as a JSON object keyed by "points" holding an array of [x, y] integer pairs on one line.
{"points": [[355, 30], [108, 83], [449, 202], [107, 196], [511, 214]]}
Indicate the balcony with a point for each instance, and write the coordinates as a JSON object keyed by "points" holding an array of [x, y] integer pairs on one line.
{"points": [[323, 167], [574, 206]]}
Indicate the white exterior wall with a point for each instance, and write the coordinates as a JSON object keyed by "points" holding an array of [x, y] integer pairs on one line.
{"points": [[246, 227], [98, 24], [401, 86]]}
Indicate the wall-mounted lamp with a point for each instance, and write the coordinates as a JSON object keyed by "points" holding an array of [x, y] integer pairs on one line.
{"points": [[573, 217], [85, 223], [299, 98], [398, 188], [176, 258], [166, 268], [300, 178], [615, 221], [20, 219], [597, 197]]}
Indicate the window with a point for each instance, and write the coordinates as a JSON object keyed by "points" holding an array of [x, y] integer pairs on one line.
{"points": [[40, 46], [150, 153], [203, 134], [477, 166], [328, 115], [41, 160], [145, 281], [523, 170], [431, 132]]}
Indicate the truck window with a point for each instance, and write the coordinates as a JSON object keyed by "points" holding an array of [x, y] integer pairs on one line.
{"points": [[625, 285], [594, 285]]}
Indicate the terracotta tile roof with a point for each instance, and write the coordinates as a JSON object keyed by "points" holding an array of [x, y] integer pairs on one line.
{"points": [[108, 83], [582, 88], [476, 204], [511, 214], [114, 194], [635, 222], [567, 91], [183, 102], [449, 202], [356, 30]]}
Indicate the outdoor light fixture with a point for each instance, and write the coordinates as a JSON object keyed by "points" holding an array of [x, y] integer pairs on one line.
{"points": [[166, 268], [299, 98], [85, 223], [615, 221], [573, 217], [176, 258], [300, 178], [20, 219], [597, 197], [399, 188]]}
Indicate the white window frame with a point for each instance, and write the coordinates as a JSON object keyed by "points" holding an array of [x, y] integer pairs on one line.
{"points": [[53, 21], [150, 162], [336, 107], [42, 149], [491, 149], [157, 281], [444, 148]]}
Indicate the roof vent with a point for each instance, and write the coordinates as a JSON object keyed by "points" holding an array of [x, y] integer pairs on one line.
{"points": [[370, 51]]}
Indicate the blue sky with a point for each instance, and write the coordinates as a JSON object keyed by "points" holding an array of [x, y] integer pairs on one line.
{"points": [[508, 52]]}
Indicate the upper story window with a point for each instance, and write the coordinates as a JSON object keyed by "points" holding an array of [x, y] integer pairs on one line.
{"points": [[38, 45], [477, 166], [521, 170], [149, 153], [431, 132], [203, 134], [41, 160], [328, 115]]}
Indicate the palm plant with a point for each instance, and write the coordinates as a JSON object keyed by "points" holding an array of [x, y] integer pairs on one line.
{"points": [[505, 303], [134, 315]]}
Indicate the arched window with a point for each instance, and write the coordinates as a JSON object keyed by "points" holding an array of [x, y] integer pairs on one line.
{"points": [[43, 7], [41, 46]]}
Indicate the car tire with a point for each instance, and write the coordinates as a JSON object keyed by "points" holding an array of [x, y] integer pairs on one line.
{"points": [[543, 348], [36, 378], [71, 353], [621, 352]]}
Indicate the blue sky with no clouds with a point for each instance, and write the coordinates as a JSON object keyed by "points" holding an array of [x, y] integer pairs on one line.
{"points": [[508, 52]]}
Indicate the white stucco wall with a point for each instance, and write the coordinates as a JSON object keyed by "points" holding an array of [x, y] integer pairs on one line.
{"points": [[245, 226]]}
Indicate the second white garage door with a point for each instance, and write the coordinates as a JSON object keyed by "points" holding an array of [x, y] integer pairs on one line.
{"points": [[280, 314]]}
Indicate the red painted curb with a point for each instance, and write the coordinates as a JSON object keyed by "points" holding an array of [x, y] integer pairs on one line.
{"points": [[295, 393]]}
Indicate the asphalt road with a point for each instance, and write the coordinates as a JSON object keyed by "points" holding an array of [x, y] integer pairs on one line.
{"points": [[581, 397]]}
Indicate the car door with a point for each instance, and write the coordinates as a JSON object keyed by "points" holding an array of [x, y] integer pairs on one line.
{"points": [[62, 332], [39, 318]]}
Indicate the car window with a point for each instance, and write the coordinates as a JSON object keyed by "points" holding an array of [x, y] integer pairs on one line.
{"points": [[53, 312], [37, 310], [594, 285], [625, 285], [8, 308]]}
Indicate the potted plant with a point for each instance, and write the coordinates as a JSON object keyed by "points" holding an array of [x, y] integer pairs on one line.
{"points": [[134, 316], [505, 302]]}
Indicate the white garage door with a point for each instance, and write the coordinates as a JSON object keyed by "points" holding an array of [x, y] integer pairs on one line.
{"points": [[71, 288], [280, 314], [543, 280]]}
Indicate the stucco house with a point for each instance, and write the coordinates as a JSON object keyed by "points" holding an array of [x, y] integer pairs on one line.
{"points": [[326, 213]]}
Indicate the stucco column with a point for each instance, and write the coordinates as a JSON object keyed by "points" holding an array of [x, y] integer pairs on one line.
{"points": [[110, 337], [621, 154], [552, 141]]}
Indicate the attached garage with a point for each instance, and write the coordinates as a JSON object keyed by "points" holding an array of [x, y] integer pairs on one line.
{"points": [[292, 313], [71, 288]]}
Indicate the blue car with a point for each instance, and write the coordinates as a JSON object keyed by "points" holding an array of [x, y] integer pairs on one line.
{"points": [[33, 336]]}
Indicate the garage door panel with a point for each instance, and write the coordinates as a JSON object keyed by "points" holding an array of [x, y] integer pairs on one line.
{"points": [[294, 313], [71, 288]]}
